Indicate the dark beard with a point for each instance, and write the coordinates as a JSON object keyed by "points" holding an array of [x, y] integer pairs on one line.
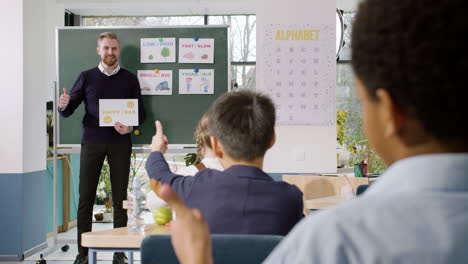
{"points": [[109, 61]]}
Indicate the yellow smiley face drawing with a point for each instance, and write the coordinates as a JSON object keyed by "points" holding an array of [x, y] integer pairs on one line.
{"points": [[130, 104], [107, 119]]}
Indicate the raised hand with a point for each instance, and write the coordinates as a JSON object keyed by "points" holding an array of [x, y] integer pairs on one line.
{"points": [[64, 99], [159, 142], [190, 236]]}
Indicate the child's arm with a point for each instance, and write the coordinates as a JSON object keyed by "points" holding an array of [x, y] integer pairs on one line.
{"points": [[158, 169]]}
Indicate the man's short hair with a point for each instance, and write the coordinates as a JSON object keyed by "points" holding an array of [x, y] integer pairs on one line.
{"points": [[416, 50], [110, 35], [244, 122]]}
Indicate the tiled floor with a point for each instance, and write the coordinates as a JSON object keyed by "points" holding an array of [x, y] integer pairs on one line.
{"points": [[54, 255]]}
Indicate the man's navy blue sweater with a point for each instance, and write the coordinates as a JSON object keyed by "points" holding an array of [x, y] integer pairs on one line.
{"points": [[93, 85]]}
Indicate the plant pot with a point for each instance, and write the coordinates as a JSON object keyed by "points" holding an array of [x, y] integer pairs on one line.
{"points": [[99, 216], [107, 217]]}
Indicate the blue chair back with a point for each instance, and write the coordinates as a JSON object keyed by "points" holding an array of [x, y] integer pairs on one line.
{"points": [[227, 249]]}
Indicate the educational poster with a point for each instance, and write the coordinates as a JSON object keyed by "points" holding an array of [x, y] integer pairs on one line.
{"points": [[124, 111], [298, 58], [196, 50], [192, 82], [157, 50], [155, 82]]}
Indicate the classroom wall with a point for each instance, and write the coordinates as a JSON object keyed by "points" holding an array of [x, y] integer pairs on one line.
{"points": [[11, 77], [34, 108], [23, 138], [300, 148]]}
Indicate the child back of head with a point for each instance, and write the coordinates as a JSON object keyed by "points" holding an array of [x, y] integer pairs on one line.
{"points": [[244, 123]]}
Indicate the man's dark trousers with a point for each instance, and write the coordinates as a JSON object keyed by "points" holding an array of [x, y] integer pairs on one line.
{"points": [[91, 161]]}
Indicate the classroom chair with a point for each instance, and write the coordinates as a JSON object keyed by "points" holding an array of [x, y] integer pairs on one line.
{"points": [[227, 249]]}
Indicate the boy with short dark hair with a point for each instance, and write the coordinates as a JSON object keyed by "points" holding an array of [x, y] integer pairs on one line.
{"points": [[242, 199]]}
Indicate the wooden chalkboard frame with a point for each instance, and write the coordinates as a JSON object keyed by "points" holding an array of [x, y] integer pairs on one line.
{"points": [[83, 56]]}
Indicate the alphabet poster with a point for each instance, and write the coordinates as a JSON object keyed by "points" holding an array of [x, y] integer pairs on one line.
{"points": [[158, 50], [155, 82], [196, 50], [192, 82], [299, 60]]}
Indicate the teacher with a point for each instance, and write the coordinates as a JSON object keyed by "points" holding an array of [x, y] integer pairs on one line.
{"points": [[106, 81]]}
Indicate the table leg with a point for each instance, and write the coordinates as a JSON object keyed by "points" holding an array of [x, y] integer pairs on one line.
{"points": [[130, 257], [92, 256]]}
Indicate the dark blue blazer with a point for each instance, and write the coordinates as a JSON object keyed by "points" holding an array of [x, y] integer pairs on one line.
{"points": [[239, 200]]}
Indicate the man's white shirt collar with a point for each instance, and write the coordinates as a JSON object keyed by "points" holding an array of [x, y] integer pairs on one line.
{"points": [[115, 71]]}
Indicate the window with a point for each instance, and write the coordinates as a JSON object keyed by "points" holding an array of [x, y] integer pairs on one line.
{"points": [[242, 47], [143, 21], [346, 97]]}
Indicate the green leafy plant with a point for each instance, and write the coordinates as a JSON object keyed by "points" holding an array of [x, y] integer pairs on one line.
{"points": [[190, 158], [341, 119], [361, 150], [104, 189], [135, 166]]}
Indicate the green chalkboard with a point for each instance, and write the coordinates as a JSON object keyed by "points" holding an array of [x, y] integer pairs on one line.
{"points": [[179, 113]]}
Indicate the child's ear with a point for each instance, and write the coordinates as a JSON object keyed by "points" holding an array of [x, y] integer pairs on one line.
{"points": [[393, 118], [273, 140], [217, 147]]}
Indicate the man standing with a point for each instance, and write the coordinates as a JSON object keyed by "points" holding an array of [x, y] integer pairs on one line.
{"points": [[106, 81]]}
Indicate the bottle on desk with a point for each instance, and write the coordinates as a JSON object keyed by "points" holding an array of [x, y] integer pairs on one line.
{"points": [[136, 204]]}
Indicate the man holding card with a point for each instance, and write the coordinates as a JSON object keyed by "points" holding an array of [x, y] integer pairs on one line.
{"points": [[105, 134]]}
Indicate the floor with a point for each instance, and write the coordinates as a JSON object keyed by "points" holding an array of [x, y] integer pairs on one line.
{"points": [[54, 254]]}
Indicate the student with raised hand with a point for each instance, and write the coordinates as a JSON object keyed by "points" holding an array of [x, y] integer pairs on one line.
{"points": [[413, 94], [242, 199], [205, 159]]}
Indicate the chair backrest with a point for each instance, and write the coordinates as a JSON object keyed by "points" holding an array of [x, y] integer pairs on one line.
{"points": [[227, 249]]}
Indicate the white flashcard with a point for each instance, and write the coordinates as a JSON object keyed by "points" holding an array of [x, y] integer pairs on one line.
{"points": [[157, 50], [155, 82], [196, 50], [192, 82], [124, 111]]}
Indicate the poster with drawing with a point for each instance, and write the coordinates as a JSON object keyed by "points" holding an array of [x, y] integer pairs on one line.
{"points": [[191, 82], [300, 62], [155, 82], [157, 50], [196, 51]]}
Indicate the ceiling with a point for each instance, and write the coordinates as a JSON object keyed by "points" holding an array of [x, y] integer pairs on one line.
{"points": [[171, 7], [158, 7]]}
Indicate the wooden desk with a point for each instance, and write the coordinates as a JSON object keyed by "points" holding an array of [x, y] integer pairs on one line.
{"points": [[118, 239], [324, 202], [315, 187]]}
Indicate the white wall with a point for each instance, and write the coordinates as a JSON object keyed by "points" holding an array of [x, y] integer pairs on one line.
{"points": [[34, 97], [11, 79]]}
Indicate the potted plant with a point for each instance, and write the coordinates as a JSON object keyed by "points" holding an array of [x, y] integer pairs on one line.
{"points": [[360, 149], [342, 153]]}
